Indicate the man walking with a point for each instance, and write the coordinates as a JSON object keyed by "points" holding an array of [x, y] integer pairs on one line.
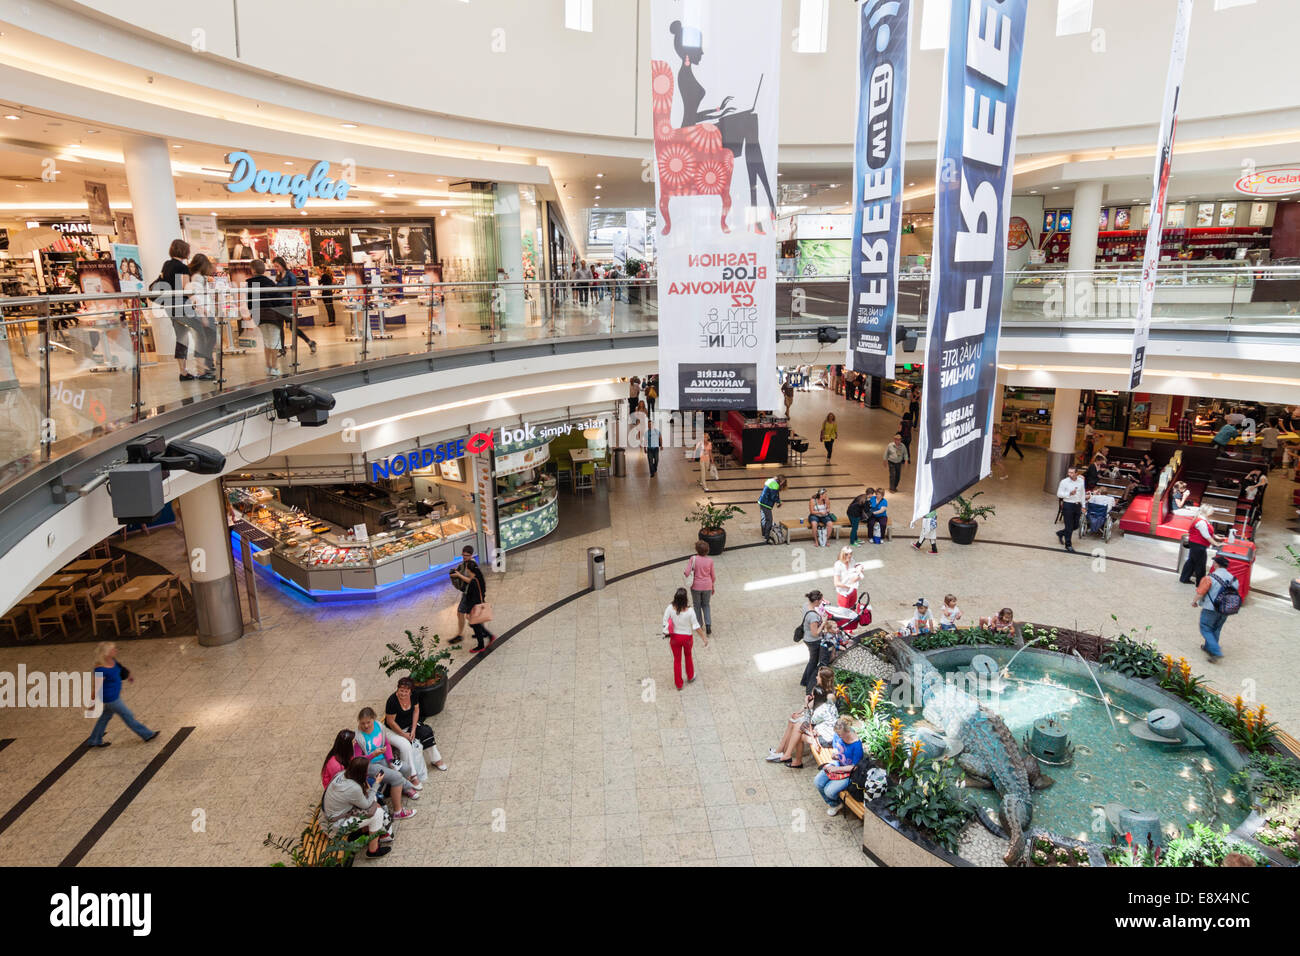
{"points": [[896, 456], [1072, 495], [1013, 437], [769, 498], [633, 394], [1208, 593], [652, 447]]}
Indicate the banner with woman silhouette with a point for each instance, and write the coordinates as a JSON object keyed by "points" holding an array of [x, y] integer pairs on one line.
{"points": [[884, 28], [971, 205], [714, 77]]}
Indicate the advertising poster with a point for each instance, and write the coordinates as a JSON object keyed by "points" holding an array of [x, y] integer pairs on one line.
{"points": [[1017, 233], [1205, 214], [715, 182], [331, 246], [1049, 221], [1258, 214], [412, 245], [1175, 216], [1146, 217], [1160, 186], [202, 234], [884, 30], [97, 208], [974, 168], [372, 247], [126, 228], [247, 244], [130, 275], [292, 244], [1122, 218], [1103, 220], [636, 232]]}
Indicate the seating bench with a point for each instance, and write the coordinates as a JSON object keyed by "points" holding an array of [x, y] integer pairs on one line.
{"points": [[796, 526], [315, 839], [863, 527], [823, 756]]}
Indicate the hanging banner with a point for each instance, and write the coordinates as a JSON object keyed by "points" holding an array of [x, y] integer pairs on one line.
{"points": [[98, 210], [884, 28], [715, 135], [1164, 159], [972, 203]]}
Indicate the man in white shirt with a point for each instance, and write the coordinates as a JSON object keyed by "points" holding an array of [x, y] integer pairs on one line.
{"points": [[1072, 495]]}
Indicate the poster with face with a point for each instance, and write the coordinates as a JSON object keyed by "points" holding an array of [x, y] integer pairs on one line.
{"points": [[99, 277], [126, 228], [248, 244], [1122, 218], [130, 277], [412, 245], [1063, 220], [292, 244], [372, 247], [1049, 220], [331, 246], [98, 211]]}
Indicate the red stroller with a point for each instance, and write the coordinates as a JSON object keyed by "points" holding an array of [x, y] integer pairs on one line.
{"points": [[849, 620]]}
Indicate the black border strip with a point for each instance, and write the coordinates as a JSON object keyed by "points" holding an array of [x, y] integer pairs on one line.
{"points": [[121, 803], [32, 795], [6, 742]]}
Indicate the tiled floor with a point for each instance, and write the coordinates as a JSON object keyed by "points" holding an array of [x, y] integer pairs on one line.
{"points": [[568, 743]]}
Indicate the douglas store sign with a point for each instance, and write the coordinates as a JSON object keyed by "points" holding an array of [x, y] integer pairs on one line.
{"points": [[244, 175]]}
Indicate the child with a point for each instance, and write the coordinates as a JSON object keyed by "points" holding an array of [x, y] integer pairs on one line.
{"points": [[921, 621], [1001, 624], [929, 529], [950, 614]]}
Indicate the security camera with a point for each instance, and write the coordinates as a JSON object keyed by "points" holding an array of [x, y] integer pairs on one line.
{"points": [[310, 406]]}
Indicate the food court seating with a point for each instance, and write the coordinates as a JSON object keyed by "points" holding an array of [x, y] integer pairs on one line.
{"points": [[585, 476], [151, 610], [12, 617], [104, 612], [57, 613]]}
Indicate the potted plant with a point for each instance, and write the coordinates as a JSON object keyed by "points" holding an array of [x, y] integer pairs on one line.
{"points": [[427, 667], [962, 528], [1292, 557], [711, 518]]}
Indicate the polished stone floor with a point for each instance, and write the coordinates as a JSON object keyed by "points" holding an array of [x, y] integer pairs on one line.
{"points": [[568, 743]]}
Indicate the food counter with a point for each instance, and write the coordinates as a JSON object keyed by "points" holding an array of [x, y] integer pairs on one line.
{"points": [[757, 439], [1176, 284], [523, 519], [327, 562]]}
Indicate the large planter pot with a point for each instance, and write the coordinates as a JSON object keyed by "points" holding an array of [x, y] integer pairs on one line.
{"points": [[715, 538], [962, 532], [1295, 593], [432, 697]]}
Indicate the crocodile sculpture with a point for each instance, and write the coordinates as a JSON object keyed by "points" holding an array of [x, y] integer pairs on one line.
{"points": [[988, 755]]}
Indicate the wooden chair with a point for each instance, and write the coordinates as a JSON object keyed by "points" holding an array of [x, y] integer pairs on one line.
{"points": [[57, 613], [13, 617], [102, 550], [151, 610], [173, 593], [105, 612], [85, 593]]}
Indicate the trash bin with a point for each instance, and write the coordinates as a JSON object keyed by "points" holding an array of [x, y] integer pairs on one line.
{"points": [[620, 462], [1241, 559], [1182, 553], [595, 568]]}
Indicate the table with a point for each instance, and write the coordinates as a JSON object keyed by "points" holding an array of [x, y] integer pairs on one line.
{"points": [[87, 565], [581, 456], [137, 588], [33, 604], [62, 580]]}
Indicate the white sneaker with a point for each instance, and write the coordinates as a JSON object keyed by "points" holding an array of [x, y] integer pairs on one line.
{"points": [[834, 811], [773, 756]]}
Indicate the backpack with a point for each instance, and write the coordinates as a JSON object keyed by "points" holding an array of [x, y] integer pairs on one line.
{"points": [[456, 582], [1228, 600]]}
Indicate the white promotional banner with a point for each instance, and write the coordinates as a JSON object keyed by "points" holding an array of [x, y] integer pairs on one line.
{"points": [[1164, 159], [714, 75]]}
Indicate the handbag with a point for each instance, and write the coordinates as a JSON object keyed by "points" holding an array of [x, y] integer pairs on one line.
{"points": [[689, 574], [480, 613], [424, 734], [839, 774]]}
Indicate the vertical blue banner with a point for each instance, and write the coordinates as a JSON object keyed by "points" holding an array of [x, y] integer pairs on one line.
{"points": [[972, 197], [884, 28]]}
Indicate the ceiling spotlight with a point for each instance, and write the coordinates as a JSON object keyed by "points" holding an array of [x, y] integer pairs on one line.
{"points": [[1056, 187], [911, 184], [73, 146], [597, 185], [383, 210], [1033, 191], [12, 116], [348, 125], [91, 132], [600, 175], [443, 213], [392, 175], [288, 162], [302, 212], [177, 146]]}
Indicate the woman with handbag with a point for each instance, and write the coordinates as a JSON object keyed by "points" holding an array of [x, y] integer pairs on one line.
{"points": [[409, 738], [681, 627], [473, 603], [818, 706], [702, 579], [810, 632], [834, 776]]}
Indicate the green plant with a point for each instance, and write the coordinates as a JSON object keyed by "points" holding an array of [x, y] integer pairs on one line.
{"points": [[1204, 846], [1281, 829], [1178, 677], [319, 848], [1290, 556], [1131, 657], [1270, 779], [967, 510], [419, 658], [928, 799], [711, 517]]}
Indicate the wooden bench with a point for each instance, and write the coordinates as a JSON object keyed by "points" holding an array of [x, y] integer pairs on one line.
{"points": [[863, 528], [316, 841], [823, 756], [802, 527]]}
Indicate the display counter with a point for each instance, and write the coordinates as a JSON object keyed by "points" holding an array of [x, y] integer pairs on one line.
{"points": [[329, 563], [1205, 437], [757, 439], [523, 520]]}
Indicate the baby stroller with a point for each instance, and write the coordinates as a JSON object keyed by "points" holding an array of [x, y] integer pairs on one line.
{"points": [[1098, 517], [850, 620]]}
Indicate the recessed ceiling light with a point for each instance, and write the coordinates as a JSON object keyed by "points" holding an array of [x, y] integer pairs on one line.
{"points": [[303, 212], [12, 116], [443, 213], [1056, 187], [383, 210], [388, 195], [600, 175], [911, 184], [440, 180], [288, 162], [91, 132], [348, 125], [1033, 191], [177, 146], [597, 185], [73, 146], [212, 213], [392, 175]]}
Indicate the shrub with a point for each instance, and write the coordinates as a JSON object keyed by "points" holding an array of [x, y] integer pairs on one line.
{"points": [[1204, 846], [1270, 779], [929, 800], [1131, 657]]}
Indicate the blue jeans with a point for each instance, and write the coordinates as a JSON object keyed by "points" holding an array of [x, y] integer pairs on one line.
{"points": [[112, 707], [1211, 625], [830, 789]]}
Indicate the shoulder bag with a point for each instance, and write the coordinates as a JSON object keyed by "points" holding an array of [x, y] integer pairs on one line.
{"points": [[689, 575]]}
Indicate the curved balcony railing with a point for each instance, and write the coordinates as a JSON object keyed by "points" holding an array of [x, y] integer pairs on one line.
{"points": [[74, 368]]}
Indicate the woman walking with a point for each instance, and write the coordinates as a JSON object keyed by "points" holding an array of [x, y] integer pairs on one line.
{"points": [[812, 636], [701, 578], [172, 280], [830, 431], [681, 627], [707, 466], [475, 593], [110, 696]]}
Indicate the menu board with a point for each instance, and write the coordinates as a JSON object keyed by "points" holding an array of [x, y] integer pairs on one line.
{"points": [[1205, 214], [1176, 215], [1258, 213], [1122, 218]]}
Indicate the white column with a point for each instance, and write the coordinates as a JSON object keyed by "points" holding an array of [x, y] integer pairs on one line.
{"points": [[1083, 248], [212, 569], [1065, 430], [148, 164]]}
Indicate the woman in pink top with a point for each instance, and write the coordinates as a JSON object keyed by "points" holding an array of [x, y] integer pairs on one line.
{"points": [[340, 756], [701, 578]]}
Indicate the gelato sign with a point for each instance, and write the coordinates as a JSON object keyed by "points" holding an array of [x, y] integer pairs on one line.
{"points": [[1269, 182], [245, 176]]}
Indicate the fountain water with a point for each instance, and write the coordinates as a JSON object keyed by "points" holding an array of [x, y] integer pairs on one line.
{"points": [[1006, 671], [1100, 693]]}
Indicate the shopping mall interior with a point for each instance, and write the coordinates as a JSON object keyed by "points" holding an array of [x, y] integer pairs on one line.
{"points": [[331, 357]]}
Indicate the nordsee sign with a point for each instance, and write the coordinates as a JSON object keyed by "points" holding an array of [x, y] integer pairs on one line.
{"points": [[424, 457], [244, 175]]}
